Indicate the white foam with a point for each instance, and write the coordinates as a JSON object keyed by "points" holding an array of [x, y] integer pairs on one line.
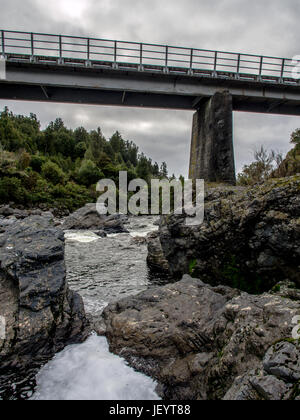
{"points": [[84, 236], [89, 372]]}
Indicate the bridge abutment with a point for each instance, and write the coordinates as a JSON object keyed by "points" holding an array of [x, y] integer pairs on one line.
{"points": [[212, 154]]}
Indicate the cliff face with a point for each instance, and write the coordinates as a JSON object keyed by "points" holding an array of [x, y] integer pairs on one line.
{"points": [[38, 312], [250, 238]]}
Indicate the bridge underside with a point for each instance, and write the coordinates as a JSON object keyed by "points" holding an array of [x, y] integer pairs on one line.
{"points": [[213, 99], [35, 82]]}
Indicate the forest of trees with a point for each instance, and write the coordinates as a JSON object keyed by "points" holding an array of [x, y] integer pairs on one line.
{"points": [[59, 166]]}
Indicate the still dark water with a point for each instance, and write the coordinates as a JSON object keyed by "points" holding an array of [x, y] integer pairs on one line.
{"points": [[102, 270]]}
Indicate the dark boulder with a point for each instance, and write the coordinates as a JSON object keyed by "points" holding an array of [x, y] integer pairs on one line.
{"points": [[204, 342], [156, 259], [88, 218], [39, 314]]}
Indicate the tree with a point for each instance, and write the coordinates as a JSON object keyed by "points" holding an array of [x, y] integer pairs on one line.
{"points": [[143, 168], [80, 149], [116, 142], [95, 148], [295, 137], [81, 135], [164, 170], [155, 170], [52, 172], [261, 169], [24, 160], [37, 162], [88, 173]]}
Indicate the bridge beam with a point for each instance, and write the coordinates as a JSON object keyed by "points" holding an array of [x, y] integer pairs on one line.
{"points": [[212, 154]]}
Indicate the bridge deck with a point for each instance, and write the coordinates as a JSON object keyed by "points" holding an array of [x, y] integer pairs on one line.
{"points": [[62, 68]]}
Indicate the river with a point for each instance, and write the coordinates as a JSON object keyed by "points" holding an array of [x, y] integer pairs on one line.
{"points": [[102, 270]]}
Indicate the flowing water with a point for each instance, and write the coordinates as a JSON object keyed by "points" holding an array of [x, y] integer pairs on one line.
{"points": [[102, 270]]}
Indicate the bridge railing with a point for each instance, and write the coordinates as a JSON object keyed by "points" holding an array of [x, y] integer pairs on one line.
{"points": [[75, 50]]}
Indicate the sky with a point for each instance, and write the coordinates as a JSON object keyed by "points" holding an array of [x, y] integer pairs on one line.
{"points": [[265, 27]]}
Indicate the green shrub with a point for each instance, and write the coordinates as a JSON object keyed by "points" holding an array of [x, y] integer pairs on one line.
{"points": [[24, 160], [30, 179], [11, 189], [80, 149], [52, 172], [89, 173], [37, 162], [59, 191]]}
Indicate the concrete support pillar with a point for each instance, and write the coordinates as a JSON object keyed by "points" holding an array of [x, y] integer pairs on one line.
{"points": [[212, 154]]}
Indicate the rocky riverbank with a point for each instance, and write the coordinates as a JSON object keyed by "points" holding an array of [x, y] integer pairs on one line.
{"points": [[204, 342], [40, 315], [250, 238], [226, 330], [206, 337]]}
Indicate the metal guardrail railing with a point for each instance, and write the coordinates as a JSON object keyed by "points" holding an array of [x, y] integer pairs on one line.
{"points": [[94, 52]]}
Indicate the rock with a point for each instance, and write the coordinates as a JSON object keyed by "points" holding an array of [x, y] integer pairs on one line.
{"points": [[156, 259], [260, 386], [286, 289], [41, 314], [100, 233], [6, 211], [250, 238], [97, 325], [270, 388], [37, 212], [139, 240], [278, 377], [88, 218], [5, 223], [197, 340], [283, 361], [48, 215]]}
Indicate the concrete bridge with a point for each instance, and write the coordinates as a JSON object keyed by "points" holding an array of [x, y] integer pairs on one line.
{"points": [[59, 68]]}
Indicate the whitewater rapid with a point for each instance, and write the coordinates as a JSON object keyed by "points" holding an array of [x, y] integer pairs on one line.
{"points": [[89, 371], [102, 270]]}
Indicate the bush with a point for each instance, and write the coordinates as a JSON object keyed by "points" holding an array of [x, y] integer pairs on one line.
{"points": [[11, 190], [80, 149], [88, 173], [53, 173], [295, 137], [37, 162], [24, 160], [59, 191]]}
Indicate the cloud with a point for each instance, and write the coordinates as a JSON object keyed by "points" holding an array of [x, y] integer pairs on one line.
{"points": [[268, 27]]}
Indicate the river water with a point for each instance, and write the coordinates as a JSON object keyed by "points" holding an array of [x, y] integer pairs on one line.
{"points": [[102, 270]]}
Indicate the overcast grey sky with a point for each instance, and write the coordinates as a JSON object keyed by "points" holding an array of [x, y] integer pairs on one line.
{"points": [[269, 27]]}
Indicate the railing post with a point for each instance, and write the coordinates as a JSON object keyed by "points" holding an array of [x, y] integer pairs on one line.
{"points": [[282, 69], [115, 54], [32, 45], [141, 56], [261, 65], [167, 59], [2, 43], [88, 55], [238, 64], [191, 61], [215, 63], [60, 50]]}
